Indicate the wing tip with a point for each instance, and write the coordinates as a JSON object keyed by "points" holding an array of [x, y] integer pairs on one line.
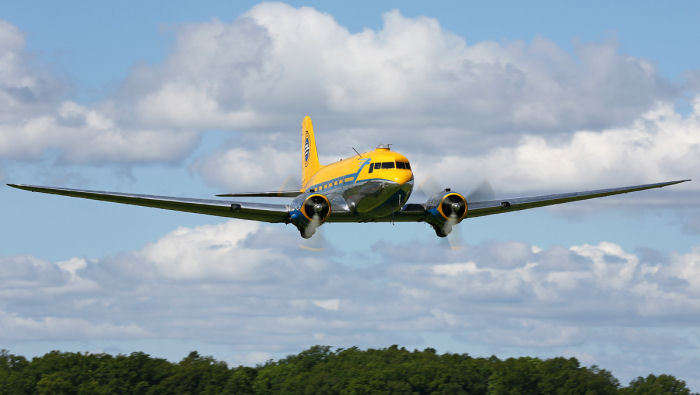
{"points": [[678, 181], [25, 187]]}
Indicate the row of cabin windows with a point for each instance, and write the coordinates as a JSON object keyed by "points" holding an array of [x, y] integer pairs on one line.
{"points": [[388, 165], [328, 185]]}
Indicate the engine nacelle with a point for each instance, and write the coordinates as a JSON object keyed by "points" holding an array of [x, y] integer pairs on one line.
{"points": [[445, 210], [312, 212]]}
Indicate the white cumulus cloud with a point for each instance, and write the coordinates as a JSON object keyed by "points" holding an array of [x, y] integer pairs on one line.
{"points": [[252, 288], [660, 145], [276, 63], [36, 117], [272, 65], [258, 168]]}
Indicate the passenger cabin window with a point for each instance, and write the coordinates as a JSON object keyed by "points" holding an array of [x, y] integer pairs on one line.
{"points": [[387, 165]]}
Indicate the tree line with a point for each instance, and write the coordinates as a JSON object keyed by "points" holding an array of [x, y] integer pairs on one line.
{"points": [[318, 370]]}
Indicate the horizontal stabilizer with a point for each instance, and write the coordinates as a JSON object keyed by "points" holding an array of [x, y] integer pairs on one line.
{"points": [[263, 194]]}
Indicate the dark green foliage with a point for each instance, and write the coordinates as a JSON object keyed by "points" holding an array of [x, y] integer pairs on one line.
{"points": [[317, 370], [195, 375], [553, 376], [657, 385], [241, 381]]}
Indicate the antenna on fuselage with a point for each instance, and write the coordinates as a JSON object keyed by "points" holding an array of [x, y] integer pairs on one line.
{"points": [[358, 154]]}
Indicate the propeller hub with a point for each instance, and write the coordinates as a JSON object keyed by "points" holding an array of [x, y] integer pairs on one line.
{"points": [[316, 207], [453, 206]]}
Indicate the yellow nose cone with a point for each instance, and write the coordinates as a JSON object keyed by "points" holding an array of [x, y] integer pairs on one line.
{"points": [[401, 176]]}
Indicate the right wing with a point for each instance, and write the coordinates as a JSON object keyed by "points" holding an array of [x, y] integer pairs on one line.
{"points": [[222, 208], [478, 209], [413, 212]]}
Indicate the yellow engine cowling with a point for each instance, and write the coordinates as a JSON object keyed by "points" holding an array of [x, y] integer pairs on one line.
{"points": [[316, 207], [446, 210]]}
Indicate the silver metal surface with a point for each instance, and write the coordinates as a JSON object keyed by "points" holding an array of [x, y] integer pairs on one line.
{"points": [[344, 202], [477, 209], [222, 208], [293, 193]]}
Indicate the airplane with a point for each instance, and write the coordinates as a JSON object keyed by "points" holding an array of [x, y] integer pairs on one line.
{"points": [[372, 186]]}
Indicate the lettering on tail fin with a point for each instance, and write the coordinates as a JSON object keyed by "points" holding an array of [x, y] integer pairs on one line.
{"points": [[306, 149]]}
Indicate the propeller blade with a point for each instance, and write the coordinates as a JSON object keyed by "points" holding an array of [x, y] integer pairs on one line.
{"points": [[286, 184], [429, 187], [313, 243], [312, 226], [453, 239], [481, 192]]}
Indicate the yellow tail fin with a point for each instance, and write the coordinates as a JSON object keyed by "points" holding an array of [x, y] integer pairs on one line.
{"points": [[309, 155]]}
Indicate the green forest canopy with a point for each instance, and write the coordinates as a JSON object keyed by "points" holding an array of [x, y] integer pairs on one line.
{"points": [[317, 370]]}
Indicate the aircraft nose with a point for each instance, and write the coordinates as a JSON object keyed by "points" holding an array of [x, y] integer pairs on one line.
{"points": [[403, 177]]}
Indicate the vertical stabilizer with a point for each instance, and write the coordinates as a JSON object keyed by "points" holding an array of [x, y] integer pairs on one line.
{"points": [[309, 156]]}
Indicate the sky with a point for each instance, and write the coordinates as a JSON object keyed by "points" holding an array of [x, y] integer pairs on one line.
{"points": [[185, 99]]}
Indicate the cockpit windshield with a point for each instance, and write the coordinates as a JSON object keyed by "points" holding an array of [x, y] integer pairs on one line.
{"points": [[389, 165]]}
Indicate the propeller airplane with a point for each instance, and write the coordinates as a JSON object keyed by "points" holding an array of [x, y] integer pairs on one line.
{"points": [[372, 186]]}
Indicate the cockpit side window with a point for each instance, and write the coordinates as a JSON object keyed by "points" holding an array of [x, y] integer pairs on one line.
{"points": [[400, 165], [371, 167]]}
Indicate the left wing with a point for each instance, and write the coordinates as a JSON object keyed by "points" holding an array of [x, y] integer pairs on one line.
{"points": [[222, 208]]}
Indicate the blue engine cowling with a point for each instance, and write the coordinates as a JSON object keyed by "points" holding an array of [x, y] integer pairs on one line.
{"points": [[445, 210]]}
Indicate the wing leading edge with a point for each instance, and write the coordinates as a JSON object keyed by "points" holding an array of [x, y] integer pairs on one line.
{"points": [[222, 208]]}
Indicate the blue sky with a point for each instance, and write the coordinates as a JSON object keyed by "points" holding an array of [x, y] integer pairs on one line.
{"points": [[173, 99]]}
